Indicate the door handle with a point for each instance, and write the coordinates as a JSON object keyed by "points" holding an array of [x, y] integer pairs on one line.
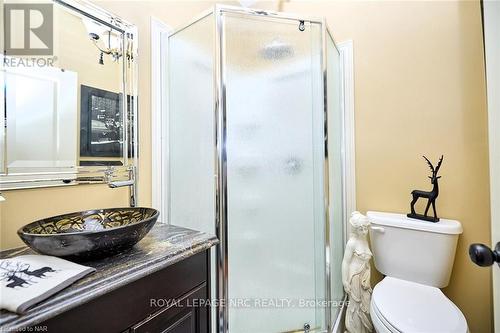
{"points": [[483, 256]]}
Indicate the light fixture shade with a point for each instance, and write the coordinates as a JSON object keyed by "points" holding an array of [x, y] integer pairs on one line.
{"points": [[109, 39], [112, 40], [93, 27]]}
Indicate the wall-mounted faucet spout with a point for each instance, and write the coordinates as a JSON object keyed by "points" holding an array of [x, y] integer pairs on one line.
{"points": [[121, 183], [131, 182]]}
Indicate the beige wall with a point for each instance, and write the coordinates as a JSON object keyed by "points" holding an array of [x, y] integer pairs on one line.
{"points": [[419, 89]]}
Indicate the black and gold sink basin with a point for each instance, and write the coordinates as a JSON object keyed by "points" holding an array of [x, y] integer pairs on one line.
{"points": [[89, 234]]}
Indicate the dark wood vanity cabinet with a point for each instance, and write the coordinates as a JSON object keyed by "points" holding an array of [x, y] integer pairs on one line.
{"points": [[172, 300]]}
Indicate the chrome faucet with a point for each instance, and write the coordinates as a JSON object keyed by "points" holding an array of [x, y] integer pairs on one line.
{"points": [[108, 175]]}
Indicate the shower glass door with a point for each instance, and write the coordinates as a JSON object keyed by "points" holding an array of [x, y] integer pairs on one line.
{"points": [[271, 69]]}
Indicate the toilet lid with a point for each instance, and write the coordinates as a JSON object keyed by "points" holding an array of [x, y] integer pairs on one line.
{"points": [[413, 307]]}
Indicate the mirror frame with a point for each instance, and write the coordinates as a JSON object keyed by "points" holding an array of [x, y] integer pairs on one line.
{"points": [[87, 174]]}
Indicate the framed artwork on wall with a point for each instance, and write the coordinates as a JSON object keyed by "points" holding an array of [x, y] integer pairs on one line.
{"points": [[101, 123]]}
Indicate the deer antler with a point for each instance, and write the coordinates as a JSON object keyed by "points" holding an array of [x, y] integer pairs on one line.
{"points": [[430, 164], [439, 164]]}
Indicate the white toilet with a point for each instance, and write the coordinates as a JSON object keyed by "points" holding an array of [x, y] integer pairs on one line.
{"points": [[417, 259]]}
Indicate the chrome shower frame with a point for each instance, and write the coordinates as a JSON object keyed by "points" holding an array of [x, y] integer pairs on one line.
{"points": [[221, 212]]}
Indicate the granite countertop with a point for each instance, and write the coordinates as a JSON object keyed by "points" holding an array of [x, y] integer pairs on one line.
{"points": [[163, 246]]}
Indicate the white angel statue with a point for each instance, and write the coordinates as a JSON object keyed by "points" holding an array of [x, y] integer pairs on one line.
{"points": [[356, 276]]}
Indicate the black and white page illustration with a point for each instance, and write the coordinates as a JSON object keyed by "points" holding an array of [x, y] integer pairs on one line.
{"points": [[27, 280]]}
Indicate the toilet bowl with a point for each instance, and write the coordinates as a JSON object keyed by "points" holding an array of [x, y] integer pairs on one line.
{"points": [[417, 259], [403, 306]]}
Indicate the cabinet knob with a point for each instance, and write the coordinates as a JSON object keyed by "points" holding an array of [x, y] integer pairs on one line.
{"points": [[483, 256]]}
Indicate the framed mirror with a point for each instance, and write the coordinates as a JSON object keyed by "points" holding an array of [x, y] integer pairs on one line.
{"points": [[69, 111]]}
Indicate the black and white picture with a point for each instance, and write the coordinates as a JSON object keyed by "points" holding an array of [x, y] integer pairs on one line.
{"points": [[18, 274], [28, 279], [101, 123]]}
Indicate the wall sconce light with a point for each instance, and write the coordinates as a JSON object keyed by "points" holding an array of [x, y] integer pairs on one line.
{"points": [[112, 45], [107, 40]]}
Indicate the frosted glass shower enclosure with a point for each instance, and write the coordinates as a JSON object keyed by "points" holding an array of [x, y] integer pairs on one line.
{"points": [[255, 156]]}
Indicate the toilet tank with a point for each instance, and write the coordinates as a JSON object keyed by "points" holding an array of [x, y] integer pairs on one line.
{"points": [[414, 250]]}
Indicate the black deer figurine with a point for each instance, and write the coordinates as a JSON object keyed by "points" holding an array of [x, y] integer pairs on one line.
{"points": [[431, 196]]}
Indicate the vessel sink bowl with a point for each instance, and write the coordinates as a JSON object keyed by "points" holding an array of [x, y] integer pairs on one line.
{"points": [[89, 234]]}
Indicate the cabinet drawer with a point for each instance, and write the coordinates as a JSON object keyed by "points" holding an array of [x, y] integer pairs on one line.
{"points": [[183, 317]]}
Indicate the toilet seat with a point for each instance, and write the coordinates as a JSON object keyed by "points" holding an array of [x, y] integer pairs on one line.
{"points": [[409, 307], [380, 324]]}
